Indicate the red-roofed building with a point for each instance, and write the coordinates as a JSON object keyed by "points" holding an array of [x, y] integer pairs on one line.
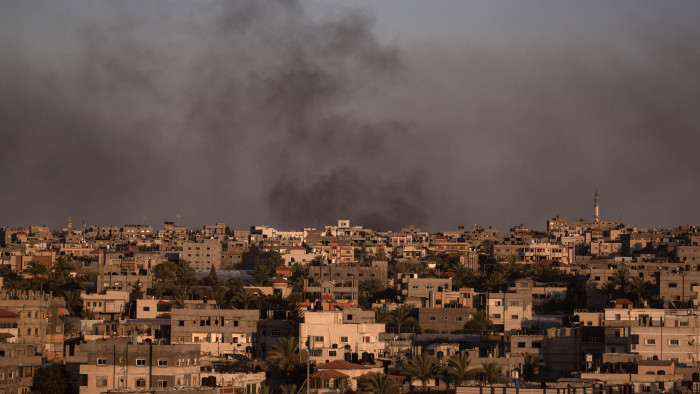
{"points": [[8, 326], [339, 375]]}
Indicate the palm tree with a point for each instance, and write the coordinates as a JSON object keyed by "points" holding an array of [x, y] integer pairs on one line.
{"points": [[284, 355], [38, 271], [377, 383], [401, 317], [533, 364], [422, 367], [497, 280], [382, 315], [274, 260], [244, 299], [73, 301], [264, 389], [490, 373], [480, 322], [458, 368], [609, 289], [260, 274], [288, 389], [621, 278], [639, 288]]}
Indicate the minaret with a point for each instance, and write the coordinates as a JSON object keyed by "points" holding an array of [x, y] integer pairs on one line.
{"points": [[70, 225], [596, 208]]}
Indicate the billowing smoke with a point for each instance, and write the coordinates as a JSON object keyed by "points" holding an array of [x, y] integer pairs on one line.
{"points": [[220, 111], [293, 113]]}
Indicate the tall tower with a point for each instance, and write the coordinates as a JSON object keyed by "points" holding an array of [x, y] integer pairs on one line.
{"points": [[70, 225], [596, 208]]}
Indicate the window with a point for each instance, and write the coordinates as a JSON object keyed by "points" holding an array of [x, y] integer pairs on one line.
{"points": [[536, 345], [673, 342], [514, 317], [349, 317], [162, 383], [140, 382], [276, 333], [101, 361], [146, 308], [162, 363], [101, 381], [2, 374], [432, 317], [344, 339], [521, 344], [672, 284], [140, 362], [650, 341], [683, 324], [251, 388], [181, 339], [331, 353], [496, 315], [318, 339]]}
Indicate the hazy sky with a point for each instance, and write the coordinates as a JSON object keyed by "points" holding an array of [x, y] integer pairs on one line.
{"points": [[438, 113]]}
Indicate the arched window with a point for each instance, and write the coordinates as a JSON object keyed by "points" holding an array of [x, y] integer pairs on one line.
{"points": [[140, 382], [10, 373], [661, 372]]}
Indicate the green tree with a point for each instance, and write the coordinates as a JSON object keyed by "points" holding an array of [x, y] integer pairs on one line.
{"points": [[497, 280], [422, 367], [212, 279], [52, 379], [458, 368], [533, 364], [382, 315], [377, 383], [39, 272], [261, 275], [244, 299], [74, 303], [284, 355], [479, 323], [401, 318], [621, 278], [288, 389], [491, 373], [274, 260], [638, 288]]}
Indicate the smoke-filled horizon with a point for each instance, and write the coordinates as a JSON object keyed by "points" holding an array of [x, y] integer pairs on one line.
{"points": [[294, 114]]}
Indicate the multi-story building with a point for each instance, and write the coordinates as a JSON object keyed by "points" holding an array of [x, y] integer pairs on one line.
{"points": [[218, 331], [39, 321], [18, 364], [341, 335], [202, 255], [410, 285], [110, 305], [511, 311], [377, 271], [117, 364]]}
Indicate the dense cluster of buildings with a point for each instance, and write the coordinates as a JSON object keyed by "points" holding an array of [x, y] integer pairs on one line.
{"points": [[605, 306]]}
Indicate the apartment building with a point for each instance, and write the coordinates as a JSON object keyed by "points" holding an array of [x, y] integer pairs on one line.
{"points": [[110, 305], [218, 331], [39, 321], [510, 310], [341, 335], [18, 364], [443, 320], [116, 364], [202, 255], [410, 286]]}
